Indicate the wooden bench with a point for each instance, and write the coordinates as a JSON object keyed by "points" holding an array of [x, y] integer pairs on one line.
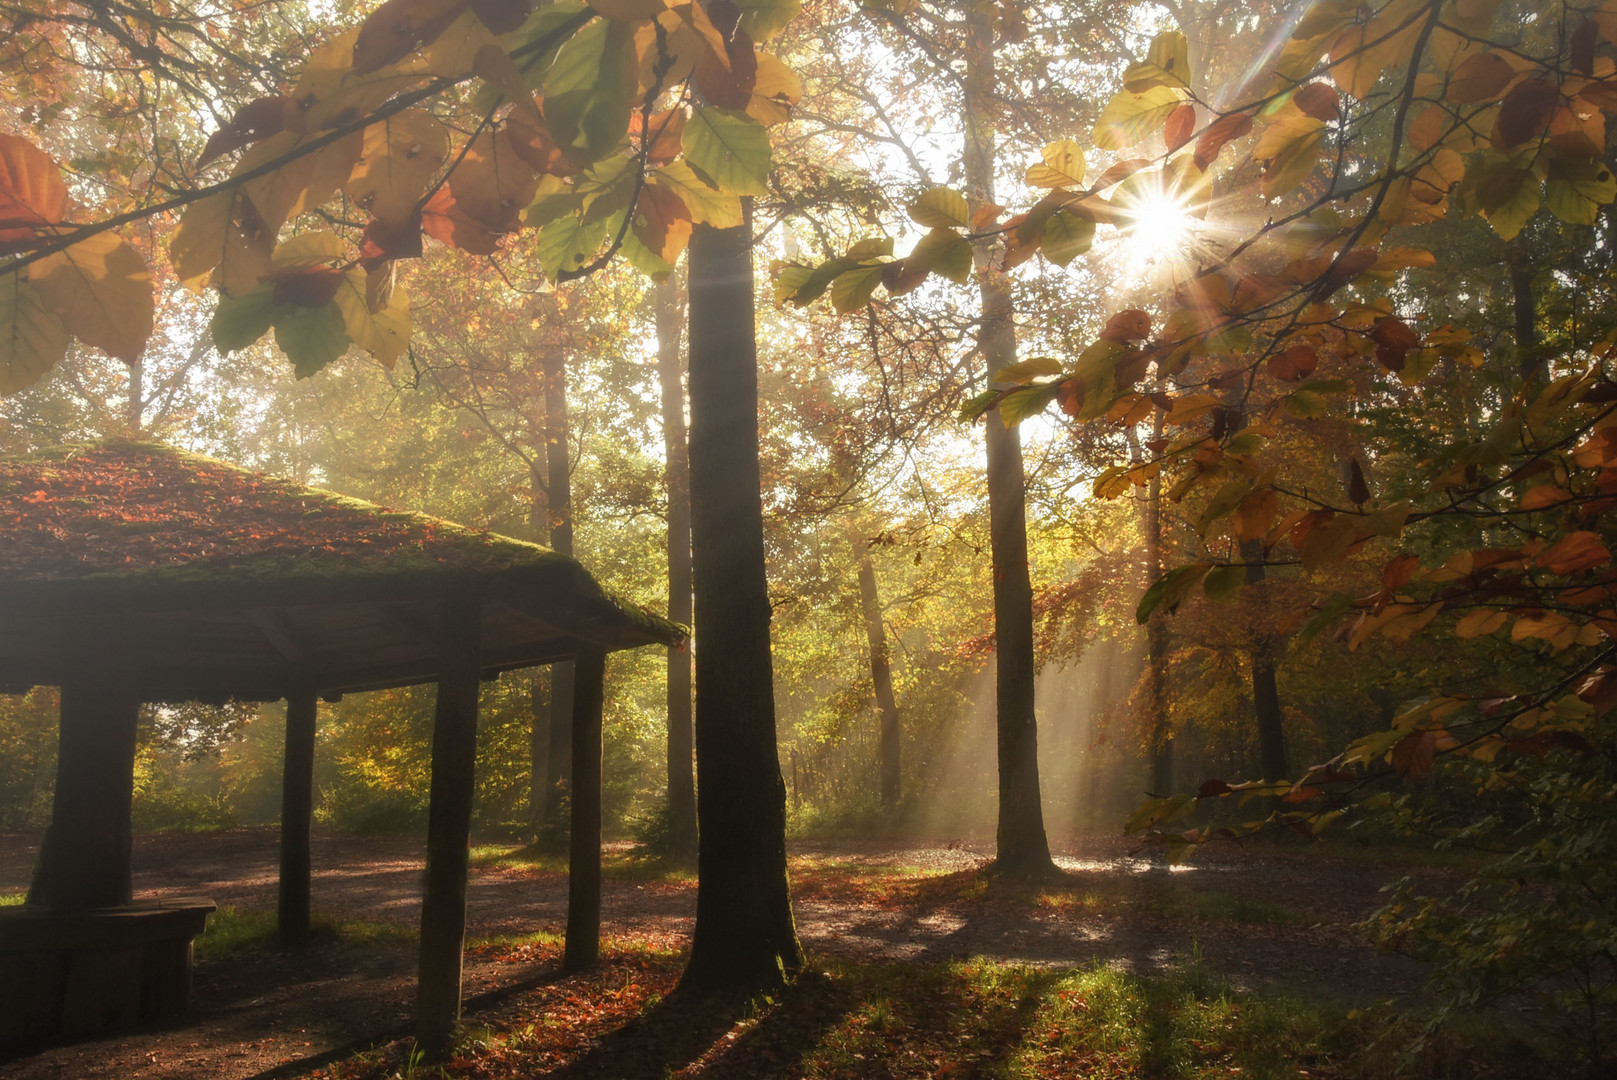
{"points": [[73, 975]]}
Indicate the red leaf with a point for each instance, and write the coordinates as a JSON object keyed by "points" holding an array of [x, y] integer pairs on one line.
{"points": [[1319, 100], [1526, 111], [1180, 126]]}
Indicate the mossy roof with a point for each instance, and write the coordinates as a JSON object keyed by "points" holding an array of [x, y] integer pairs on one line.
{"points": [[136, 526]]}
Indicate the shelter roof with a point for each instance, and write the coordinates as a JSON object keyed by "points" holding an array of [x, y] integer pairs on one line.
{"points": [[237, 584]]}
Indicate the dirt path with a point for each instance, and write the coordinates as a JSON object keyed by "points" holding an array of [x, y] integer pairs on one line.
{"points": [[1267, 918]]}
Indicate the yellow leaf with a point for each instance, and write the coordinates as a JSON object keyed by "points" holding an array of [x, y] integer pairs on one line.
{"points": [[398, 158], [307, 250], [385, 334], [101, 290], [1063, 166], [1131, 118], [1480, 622], [775, 89], [199, 242], [941, 208], [32, 340]]}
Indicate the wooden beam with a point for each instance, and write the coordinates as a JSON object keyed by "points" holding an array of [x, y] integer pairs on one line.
{"points": [[297, 813], [449, 821], [84, 860], [278, 634], [583, 946]]}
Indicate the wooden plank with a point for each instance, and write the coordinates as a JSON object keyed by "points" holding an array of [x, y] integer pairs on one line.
{"points": [[297, 815], [583, 946], [277, 633], [449, 822]]}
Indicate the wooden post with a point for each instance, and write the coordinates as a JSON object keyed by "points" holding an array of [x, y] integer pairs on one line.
{"points": [[297, 810], [449, 823], [84, 861], [584, 863]]}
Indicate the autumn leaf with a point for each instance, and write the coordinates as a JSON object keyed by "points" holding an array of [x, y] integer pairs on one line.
{"points": [[32, 339], [662, 222], [398, 158], [1573, 552], [101, 290], [32, 195]]}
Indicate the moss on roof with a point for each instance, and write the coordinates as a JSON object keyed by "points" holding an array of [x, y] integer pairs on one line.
{"points": [[121, 513]]}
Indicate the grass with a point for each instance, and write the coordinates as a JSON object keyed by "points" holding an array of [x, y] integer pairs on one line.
{"points": [[617, 864], [13, 899], [965, 1020], [231, 931], [1112, 897]]}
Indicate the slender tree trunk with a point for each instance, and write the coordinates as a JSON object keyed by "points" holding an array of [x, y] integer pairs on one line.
{"points": [[881, 674], [1528, 359], [1024, 849], [135, 407], [681, 764], [745, 939], [297, 813], [1156, 637], [1265, 691], [559, 506], [538, 685]]}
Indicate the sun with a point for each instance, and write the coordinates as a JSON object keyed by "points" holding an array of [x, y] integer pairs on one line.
{"points": [[1160, 226]]}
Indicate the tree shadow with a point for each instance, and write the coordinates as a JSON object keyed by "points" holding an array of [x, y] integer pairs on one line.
{"points": [[685, 1029]]}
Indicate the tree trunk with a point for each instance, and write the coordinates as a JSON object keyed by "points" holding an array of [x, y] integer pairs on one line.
{"points": [[135, 407], [1156, 636], [449, 824], [1528, 359], [1024, 849], [583, 943], [538, 686], [1265, 692], [745, 939], [881, 674], [681, 766], [84, 859], [559, 507], [297, 812]]}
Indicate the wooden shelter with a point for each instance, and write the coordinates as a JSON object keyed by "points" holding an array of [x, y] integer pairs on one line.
{"points": [[133, 572]]}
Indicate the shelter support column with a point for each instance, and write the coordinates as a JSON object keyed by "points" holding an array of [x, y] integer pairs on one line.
{"points": [[584, 863], [297, 811], [449, 821], [84, 861]]}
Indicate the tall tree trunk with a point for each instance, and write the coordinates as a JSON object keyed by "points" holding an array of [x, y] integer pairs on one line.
{"points": [[538, 684], [135, 407], [1528, 359], [1265, 691], [1024, 849], [559, 507], [881, 674], [745, 938], [297, 814], [1156, 637], [681, 765]]}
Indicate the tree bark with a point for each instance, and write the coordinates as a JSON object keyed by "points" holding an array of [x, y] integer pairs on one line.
{"points": [[449, 823], [297, 813], [583, 943], [1265, 691], [538, 688], [1023, 848], [84, 859], [881, 675], [559, 514], [681, 764], [1528, 359], [745, 939], [135, 407]]}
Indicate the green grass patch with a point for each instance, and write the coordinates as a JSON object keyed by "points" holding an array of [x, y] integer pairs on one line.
{"points": [[616, 864], [231, 931], [13, 899], [1171, 902]]}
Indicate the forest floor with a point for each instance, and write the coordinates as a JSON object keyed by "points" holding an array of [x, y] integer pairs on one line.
{"points": [[1262, 920]]}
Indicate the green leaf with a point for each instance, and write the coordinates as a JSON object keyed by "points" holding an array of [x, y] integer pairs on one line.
{"points": [[1130, 118], [1576, 190], [32, 340], [1294, 159], [1170, 590], [763, 19], [851, 289], [643, 259], [941, 208], [1304, 405], [728, 150], [977, 405], [310, 337], [943, 252], [1223, 583], [1066, 236], [707, 206], [239, 321], [589, 90], [568, 243], [1026, 401], [1025, 371]]}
